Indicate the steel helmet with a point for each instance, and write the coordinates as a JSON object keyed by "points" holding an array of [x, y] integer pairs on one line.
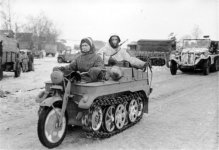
{"points": [[56, 77], [116, 73]]}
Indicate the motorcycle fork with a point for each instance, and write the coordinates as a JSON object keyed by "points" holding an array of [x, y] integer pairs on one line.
{"points": [[65, 101]]}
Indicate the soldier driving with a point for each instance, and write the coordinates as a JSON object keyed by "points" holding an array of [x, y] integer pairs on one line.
{"points": [[88, 61]]}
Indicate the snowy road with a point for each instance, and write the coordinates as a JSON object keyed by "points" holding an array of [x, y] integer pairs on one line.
{"points": [[183, 114]]}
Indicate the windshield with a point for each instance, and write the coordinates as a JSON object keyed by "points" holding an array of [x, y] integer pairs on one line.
{"points": [[202, 43]]}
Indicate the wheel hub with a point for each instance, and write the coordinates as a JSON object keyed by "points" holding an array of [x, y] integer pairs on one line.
{"points": [[133, 110], [54, 131], [120, 116], [97, 117], [109, 119]]}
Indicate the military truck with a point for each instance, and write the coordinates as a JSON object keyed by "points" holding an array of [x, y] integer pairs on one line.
{"points": [[50, 49], [67, 56], [157, 50], [196, 54], [25, 40], [9, 56]]}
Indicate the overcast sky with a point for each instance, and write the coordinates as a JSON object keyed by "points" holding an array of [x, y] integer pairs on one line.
{"points": [[132, 19]]}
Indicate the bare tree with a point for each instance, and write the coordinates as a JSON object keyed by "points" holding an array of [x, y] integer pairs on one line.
{"points": [[5, 14], [42, 28], [196, 32]]}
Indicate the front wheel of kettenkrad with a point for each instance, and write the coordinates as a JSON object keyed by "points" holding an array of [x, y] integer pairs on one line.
{"points": [[50, 132]]}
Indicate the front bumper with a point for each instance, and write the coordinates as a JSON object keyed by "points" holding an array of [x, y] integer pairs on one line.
{"points": [[189, 61]]}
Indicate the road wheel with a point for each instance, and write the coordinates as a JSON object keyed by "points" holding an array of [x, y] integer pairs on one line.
{"points": [[60, 60], [120, 116], [206, 67], [50, 133], [140, 107], [133, 110], [17, 72], [109, 119], [96, 118], [173, 67]]}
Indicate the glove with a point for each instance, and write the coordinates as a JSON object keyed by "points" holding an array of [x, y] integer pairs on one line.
{"points": [[112, 61]]}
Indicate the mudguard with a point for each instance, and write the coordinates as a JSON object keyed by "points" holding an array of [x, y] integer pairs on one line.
{"points": [[51, 100]]}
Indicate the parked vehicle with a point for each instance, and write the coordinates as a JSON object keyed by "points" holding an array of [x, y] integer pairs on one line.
{"points": [[102, 108], [157, 50], [50, 49], [67, 56], [38, 53], [9, 56], [196, 54]]}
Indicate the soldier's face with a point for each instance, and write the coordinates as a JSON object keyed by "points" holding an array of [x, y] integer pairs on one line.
{"points": [[115, 41], [85, 47]]}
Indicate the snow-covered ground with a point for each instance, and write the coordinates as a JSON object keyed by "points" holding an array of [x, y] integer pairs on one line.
{"points": [[183, 114]]}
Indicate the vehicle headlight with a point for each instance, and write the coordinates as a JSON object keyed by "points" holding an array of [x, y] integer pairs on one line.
{"points": [[172, 56], [203, 54]]}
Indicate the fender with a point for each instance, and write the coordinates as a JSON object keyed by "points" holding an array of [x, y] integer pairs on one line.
{"points": [[51, 100], [213, 57], [201, 58]]}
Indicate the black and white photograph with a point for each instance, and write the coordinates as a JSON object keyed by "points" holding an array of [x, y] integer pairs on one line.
{"points": [[109, 74]]}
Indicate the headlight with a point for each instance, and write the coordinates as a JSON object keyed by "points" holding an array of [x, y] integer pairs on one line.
{"points": [[172, 56], [203, 54]]}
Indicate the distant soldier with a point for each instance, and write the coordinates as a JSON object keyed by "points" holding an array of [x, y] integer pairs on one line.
{"points": [[30, 62], [24, 60]]}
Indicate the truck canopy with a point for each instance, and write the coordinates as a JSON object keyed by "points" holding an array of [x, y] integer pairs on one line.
{"points": [[50, 48], [9, 44], [154, 45]]}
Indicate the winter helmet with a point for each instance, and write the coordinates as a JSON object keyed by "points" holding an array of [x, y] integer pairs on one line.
{"points": [[110, 41], [90, 42]]}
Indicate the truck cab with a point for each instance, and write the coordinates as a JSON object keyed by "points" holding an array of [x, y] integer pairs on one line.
{"points": [[67, 56]]}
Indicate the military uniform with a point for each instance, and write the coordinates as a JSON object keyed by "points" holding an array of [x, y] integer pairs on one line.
{"points": [[87, 62]]}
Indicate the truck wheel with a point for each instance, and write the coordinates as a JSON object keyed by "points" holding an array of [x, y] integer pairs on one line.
{"points": [[1, 74], [215, 66], [206, 67], [173, 67], [17, 72], [60, 60], [49, 132]]}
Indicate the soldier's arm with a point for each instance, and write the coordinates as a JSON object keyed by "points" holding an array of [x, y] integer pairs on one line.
{"points": [[135, 62]]}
